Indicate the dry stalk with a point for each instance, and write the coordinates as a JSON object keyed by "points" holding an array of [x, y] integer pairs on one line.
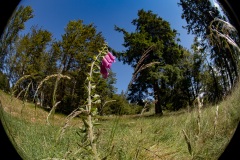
{"points": [[144, 108], [227, 27], [136, 70], [188, 142], [52, 110], [27, 89], [145, 55], [19, 81], [49, 77], [19, 94], [69, 118], [108, 102], [144, 67], [58, 76], [215, 120], [25, 96], [199, 114], [140, 69]]}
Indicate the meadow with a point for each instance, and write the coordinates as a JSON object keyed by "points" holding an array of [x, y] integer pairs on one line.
{"points": [[184, 134]]}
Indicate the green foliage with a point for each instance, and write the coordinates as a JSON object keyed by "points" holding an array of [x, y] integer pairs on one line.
{"points": [[76, 50], [10, 35], [198, 15], [37, 55], [154, 45], [30, 58], [105, 89], [217, 43], [120, 106], [4, 82]]}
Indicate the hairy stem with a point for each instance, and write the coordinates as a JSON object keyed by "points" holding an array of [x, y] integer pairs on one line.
{"points": [[89, 126]]}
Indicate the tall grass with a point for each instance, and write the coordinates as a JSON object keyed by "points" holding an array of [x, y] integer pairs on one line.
{"points": [[125, 137]]}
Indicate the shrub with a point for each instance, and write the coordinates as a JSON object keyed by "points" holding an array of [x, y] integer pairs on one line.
{"points": [[4, 82]]}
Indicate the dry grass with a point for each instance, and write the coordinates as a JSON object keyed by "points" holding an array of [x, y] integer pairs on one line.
{"points": [[29, 111], [128, 137]]}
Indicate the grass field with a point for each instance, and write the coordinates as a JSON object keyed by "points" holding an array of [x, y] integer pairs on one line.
{"points": [[175, 135]]}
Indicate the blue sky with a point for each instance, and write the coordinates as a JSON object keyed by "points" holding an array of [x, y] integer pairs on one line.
{"points": [[54, 15]]}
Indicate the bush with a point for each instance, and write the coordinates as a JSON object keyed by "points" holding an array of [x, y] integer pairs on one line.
{"points": [[4, 82], [121, 107]]}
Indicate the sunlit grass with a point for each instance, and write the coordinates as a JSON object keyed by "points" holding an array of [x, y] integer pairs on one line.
{"points": [[124, 137]]}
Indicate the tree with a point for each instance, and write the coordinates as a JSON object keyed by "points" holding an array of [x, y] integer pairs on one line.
{"points": [[31, 58], [10, 35], [78, 46], [205, 22], [160, 62], [106, 91], [198, 15]]}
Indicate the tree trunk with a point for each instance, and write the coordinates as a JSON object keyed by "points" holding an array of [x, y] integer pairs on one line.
{"points": [[229, 71], [158, 107], [217, 94]]}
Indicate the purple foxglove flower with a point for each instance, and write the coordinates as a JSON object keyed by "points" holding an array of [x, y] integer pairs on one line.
{"points": [[111, 56], [105, 63], [107, 57], [103, 71]]}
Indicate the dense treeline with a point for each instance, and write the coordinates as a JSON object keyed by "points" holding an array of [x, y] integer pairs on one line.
{"points": [[217, 43], [33, 61], [37, 64]]}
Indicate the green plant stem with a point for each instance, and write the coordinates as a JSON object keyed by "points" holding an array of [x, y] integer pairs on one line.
{"points": [[91, 137], [89, 118]]}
